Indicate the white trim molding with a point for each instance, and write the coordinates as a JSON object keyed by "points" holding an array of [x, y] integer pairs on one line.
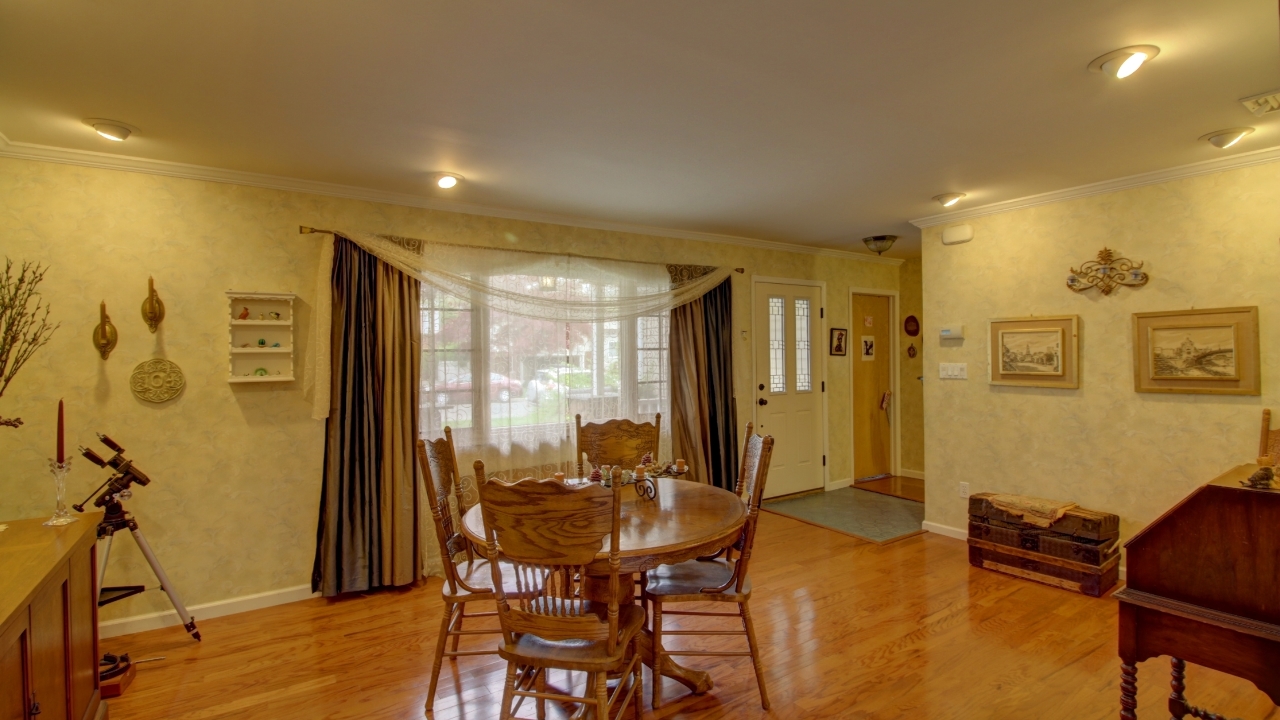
{"points": [[944, 530], [110, 161], [168, 618], [1231, 162]]}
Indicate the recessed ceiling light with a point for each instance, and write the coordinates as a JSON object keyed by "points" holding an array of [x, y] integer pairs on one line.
{"points": [[1124, 62], [1226, 138], [447, 180], [949, 199], [110, 129]]}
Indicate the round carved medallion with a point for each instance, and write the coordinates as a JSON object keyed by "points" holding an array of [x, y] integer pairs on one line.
{"points": [[157, 380], [911, 326]]}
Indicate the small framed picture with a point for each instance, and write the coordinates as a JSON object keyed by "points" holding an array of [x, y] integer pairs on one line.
{"points": [[1036, 351], [839, 341], [1212, 351]]}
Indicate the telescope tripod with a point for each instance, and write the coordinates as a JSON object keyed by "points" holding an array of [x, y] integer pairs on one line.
{"points": [[116, 519]]}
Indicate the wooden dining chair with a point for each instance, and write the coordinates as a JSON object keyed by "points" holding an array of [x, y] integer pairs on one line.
{"points": [[1270, 445], [550, 532], [466, 577], [716, 579], [618, 442]]}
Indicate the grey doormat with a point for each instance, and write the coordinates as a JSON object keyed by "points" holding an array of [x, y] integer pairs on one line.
{"points": [[860, 513]]}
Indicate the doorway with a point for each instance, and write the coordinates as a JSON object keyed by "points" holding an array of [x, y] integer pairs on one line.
{"points": [[870, 339], [789, 381]]}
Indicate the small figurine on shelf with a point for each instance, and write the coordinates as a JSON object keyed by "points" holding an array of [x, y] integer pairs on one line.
{"points": [[262, 342], [274, 315], [261, 372], [275, 345], [596, 475], [246, 345], [261, 316], [244, 314]]}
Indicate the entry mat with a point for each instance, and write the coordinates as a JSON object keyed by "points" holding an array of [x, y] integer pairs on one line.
{"points": [[860, 513]]}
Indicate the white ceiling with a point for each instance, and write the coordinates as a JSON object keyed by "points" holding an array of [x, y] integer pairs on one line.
{"points": [[812, 122]]}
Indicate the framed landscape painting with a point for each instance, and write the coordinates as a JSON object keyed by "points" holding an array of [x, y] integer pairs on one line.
{"points": [[1036, 351], [1211, 351]]}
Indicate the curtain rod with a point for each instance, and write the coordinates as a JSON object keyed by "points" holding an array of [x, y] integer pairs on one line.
{"points": [[304, 230]]}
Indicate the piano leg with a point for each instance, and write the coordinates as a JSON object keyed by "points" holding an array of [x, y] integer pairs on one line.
{"points": [[1178, 707], [1128, 692]]}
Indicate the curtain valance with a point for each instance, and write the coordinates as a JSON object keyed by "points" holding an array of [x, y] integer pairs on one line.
{"points": [[545, 286]]}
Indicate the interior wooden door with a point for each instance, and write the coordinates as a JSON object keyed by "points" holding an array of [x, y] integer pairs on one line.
{"points": [[15, 670], [872, 364], [788, 356]]}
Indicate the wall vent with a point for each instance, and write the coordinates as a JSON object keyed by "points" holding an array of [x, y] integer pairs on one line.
{"points": [[1262, 104]]}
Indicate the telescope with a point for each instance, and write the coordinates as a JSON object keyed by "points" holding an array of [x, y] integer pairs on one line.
{"points": [[109, 496]]}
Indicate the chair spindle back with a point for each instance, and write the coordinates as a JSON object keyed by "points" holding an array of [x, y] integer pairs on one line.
{"points": [[756, 455], [549, 532], [439, 467], [619, 442]]}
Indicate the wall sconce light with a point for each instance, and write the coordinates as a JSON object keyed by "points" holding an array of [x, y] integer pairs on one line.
{"points": [[879, 243], [1107, 273]]}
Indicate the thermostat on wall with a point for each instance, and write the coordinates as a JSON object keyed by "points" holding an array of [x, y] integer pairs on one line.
{"points": [[951, 332], [957, 234]]}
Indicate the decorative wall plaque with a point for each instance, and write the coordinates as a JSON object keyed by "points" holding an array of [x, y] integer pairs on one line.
{"points": [[157, 380]]}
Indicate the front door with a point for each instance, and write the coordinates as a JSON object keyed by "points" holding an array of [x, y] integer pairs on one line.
{"points": [[872, 386], [789, 384]]}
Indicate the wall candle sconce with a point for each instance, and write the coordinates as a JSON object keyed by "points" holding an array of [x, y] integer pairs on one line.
{"points": [[152, 307], [104, 335], [1107, 273]]}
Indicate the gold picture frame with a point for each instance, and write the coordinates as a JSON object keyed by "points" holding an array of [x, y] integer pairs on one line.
{"points": [[1214, 351], [1035, 351]]}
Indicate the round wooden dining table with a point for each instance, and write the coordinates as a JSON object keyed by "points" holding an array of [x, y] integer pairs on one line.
{"points": [[686, 520]]}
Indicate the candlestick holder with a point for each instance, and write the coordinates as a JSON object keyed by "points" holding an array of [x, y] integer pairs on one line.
{"points": [[60, 515]]}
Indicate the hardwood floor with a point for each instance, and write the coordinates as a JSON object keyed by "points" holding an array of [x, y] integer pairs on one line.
{"points": [[848, 629], [903, 487]]}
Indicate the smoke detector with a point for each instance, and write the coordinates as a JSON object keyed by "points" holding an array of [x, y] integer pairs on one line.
{"points": [[1262, 104]]}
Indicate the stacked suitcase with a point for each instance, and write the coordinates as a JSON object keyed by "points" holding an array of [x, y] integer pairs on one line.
{"points": [[1079, 552]]}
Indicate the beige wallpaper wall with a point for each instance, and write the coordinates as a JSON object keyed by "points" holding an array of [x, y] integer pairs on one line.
{"points": [[911, 297], [1208, 241], [232, 510]]}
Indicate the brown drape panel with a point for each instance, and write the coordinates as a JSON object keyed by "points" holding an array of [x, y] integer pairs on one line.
{"points": [[703, 414], [368, 534]]}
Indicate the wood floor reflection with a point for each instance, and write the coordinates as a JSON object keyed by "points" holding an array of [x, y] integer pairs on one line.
{"points": [[848, 630]]}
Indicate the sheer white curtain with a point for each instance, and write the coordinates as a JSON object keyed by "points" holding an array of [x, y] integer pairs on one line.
{"points": [[515, 344]]}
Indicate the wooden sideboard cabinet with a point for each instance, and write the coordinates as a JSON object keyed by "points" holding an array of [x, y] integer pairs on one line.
{"points": [[49, 621]]}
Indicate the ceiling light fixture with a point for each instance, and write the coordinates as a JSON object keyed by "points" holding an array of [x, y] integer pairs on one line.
{"points": [[949, 199], [1124, 62], [879, 243], [110, 129], [447, 180], [1226, 138]]}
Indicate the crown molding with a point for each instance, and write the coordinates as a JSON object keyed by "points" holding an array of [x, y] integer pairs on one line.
{"points": [[110, 161], [1240, 160]]}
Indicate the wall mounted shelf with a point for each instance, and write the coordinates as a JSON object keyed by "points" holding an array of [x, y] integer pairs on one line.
{"points": [[244, 363]]}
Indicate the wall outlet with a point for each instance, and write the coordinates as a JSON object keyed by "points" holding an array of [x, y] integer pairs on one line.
{"points": [[964, 490]]}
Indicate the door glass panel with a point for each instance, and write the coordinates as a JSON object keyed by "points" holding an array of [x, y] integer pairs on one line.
{"points": [[777, 345], [804, 371]]}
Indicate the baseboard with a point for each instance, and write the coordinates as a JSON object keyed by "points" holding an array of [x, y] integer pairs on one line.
{"points": [[950, 532], [916, 474], [169, 618], [837, 484]]}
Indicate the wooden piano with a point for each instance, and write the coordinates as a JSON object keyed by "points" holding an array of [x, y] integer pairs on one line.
{"points": [[1203, 586]]}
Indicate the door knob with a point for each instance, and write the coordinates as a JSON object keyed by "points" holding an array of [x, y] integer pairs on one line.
{"points": [[762, 401]]}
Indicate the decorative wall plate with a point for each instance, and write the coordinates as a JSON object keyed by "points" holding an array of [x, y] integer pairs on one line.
{"points": [[157, 380], [911, 326]]}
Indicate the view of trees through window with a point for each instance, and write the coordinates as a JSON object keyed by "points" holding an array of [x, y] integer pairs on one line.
{"points": [[539, 373]]}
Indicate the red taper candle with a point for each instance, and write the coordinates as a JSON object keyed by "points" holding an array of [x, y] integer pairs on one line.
{"points": [[61, 449]]}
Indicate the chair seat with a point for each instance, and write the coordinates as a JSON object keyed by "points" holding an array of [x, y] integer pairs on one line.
{"points": [[586, 655], [683, 582], [478, 575]]}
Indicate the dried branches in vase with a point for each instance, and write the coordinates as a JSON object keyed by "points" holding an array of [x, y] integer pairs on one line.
{"points": [[24, 323]]}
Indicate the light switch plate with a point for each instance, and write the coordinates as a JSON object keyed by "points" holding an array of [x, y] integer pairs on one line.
{"points": [[953, 371]]}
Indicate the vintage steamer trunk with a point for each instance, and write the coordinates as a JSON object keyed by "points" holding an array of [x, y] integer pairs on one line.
{"points": [[1079, 552]]}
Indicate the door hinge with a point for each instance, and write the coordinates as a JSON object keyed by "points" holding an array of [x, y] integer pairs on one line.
{"points": [[822, 313], [824, 461], [824, 386]]}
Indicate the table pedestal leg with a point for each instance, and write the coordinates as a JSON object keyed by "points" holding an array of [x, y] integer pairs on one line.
{"points": [[597, 588]]}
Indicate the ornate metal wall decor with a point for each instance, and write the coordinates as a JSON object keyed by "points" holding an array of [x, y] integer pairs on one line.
{"points": [[104, 335], [157, 380], [1107, 273], [152, 307]]}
